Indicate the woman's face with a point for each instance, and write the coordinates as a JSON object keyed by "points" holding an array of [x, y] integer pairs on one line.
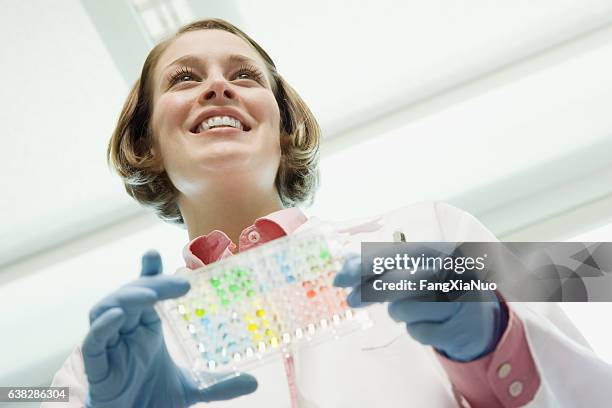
{"points": [[202, 77]]}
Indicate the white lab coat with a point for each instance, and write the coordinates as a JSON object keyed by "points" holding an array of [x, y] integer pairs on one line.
{"points": [[383, 365]]}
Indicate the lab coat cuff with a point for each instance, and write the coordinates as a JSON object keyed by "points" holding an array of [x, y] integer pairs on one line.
{"points": [[507, 377]]}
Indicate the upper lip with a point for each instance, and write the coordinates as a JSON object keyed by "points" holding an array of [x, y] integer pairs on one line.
{"points": [[227, 111]]}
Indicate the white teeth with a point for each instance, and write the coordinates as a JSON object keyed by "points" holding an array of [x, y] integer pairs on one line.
{"points": [[218, 121]]}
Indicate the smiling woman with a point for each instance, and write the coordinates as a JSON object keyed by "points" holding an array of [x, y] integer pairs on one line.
{"points": [[210, 70], [212, 137]]}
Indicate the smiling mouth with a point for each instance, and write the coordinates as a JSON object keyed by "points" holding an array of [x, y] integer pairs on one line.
{"points": [[220, 122]]}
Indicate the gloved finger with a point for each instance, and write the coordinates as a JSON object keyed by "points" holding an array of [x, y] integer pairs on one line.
{"points": [[450, 337], [427, 333], [129, 298], [101, 333], [411, 311], [149, 317], [136, 311], [233, 387], [151, 263], [441, 334], [350, 274], [165, 286], [354, 299], [463, 337]]}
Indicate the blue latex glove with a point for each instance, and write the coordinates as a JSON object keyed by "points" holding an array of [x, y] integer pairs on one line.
{"points": [[125, 356], [463, 331]]}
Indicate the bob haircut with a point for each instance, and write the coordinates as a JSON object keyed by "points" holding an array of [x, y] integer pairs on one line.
{"points": [[129, 149]]}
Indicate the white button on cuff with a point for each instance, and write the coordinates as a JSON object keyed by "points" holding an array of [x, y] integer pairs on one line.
{"points": [[253, 236], [504, 370], [516, 388]]}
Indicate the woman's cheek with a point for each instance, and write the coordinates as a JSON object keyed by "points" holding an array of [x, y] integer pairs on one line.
{"points": [[265, 109], [174, 109]]}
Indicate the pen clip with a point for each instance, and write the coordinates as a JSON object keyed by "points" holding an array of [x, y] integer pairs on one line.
{"points": [[398, 236]]}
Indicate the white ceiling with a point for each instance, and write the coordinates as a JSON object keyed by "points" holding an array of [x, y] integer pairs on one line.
{"points": [[500, 106], [61, 96], [356, 60], [353, 62], [543, 130]]}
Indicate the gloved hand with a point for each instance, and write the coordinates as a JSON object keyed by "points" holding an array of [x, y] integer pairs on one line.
{"points": [[126, 359], [463, 331]]}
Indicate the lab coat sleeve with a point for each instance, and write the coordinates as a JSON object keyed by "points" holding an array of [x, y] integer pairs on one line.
{"points": [[570, 374], [72, 375]]}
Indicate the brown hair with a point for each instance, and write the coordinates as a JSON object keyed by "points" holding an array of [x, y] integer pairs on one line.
{"points": [[129, 149]]}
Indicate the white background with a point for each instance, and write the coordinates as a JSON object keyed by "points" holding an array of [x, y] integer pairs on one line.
{"points": [[499, 107]]}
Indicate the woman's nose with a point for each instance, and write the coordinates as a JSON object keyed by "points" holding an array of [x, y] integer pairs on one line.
{"points": [[218, 89]]}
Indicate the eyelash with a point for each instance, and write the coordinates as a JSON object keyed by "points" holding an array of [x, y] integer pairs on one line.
{"points": [[179, 73], [251, 70], [182, 72]]}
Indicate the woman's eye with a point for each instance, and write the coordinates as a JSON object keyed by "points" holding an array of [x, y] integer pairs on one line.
{"points": [[182, 78], [249, 73], [185, 74], [182, 75]]}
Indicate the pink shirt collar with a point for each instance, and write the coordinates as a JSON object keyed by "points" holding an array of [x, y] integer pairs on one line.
{"points": [[209, 248]]}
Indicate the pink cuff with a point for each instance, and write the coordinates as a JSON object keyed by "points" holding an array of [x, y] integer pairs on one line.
{"points": [[507, 377]]}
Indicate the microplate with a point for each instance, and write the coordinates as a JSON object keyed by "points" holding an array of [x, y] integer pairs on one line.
{"points": [[250, 307]]}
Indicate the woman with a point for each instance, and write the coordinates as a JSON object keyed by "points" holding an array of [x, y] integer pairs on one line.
{"points": [[212, 137]]}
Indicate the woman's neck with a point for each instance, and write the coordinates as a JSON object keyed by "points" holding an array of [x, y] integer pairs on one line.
{"points": [[226, 210]]}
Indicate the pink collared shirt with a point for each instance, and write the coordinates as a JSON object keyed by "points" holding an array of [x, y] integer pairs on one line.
{"points": [[209, 248], [485, 382]]}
